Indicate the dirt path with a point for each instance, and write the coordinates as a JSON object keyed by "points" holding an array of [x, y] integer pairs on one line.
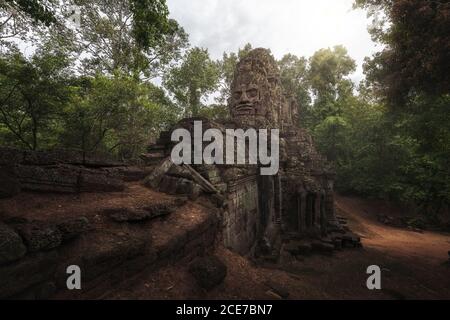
{"points": [[413, 267], [427, 248], [415, 264]]}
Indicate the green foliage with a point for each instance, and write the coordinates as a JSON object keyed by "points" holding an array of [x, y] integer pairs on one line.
{"points": [[134, 36], [150, 22], [107, 105], [416, 54], [194, 79], [323, 77], [38, 10], [294, 78], [410, 75], [377, 150], [42, 107], [32, 93], [333, 92], [89, 89], [116, 115], [327, 71], [387, 155], [22, 19]]}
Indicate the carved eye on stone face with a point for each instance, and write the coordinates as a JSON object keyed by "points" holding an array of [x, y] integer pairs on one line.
{"points": [[252, 93], [273, 80], [237, 95]]}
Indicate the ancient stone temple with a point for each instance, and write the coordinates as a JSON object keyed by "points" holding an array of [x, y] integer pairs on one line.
{"points": [[259, 213], [67, 207]]}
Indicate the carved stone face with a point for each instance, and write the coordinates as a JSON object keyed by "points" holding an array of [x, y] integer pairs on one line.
{"points": [[255, 91], [246, 100]]}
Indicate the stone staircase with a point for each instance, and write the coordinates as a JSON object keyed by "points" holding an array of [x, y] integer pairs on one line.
{"points": [[158, 151]]}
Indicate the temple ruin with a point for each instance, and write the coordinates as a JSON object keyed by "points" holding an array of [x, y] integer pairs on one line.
{"points": [[260, 213], [114, 219]]}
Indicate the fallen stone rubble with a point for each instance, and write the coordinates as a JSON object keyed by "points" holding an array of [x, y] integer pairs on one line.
{"points": [[338, 237], [144, 213], [63, 171], [208, 272], [28, 255], [34, 254]]}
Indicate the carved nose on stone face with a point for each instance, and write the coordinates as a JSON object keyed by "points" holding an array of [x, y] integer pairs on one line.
{"points": [[244, 98]]}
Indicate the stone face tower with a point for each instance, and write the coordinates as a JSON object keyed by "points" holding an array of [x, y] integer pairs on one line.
{"points": [[299, 200], [256, 91], [260, 213]]}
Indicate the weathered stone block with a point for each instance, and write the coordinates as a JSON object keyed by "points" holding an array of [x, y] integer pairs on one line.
{"points": [[11, 245], [49, 179], [134, 173], [153, 157], [168, 184], [179, 172], [221, 187], [195, 192], [97, 159], [209, 272], [154, 179], [72, 227], [322, 247], [184, 186], [97, 182], [40, 236]]}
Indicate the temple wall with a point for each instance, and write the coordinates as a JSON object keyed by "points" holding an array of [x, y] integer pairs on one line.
{"points": [[241, 219]]}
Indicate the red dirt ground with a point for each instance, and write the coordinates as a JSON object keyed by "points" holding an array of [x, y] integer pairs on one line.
{"points": [[414, 266], [51, 205]]}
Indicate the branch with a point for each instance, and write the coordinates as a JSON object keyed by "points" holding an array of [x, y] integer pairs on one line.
{"points": [[6, 21], [9, 126], [9, 94]]}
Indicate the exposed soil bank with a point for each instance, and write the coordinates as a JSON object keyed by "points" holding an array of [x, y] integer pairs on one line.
{"points": [[414, 266]]}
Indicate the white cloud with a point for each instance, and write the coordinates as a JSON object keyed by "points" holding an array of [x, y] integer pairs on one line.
{"points": [[297, 26]]}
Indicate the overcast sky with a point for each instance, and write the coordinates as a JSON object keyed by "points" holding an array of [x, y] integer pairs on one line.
{"points": [[297, 26]]}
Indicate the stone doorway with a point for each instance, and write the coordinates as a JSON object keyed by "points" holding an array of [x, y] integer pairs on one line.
{"points": [[310, 214], [293, 214]]}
